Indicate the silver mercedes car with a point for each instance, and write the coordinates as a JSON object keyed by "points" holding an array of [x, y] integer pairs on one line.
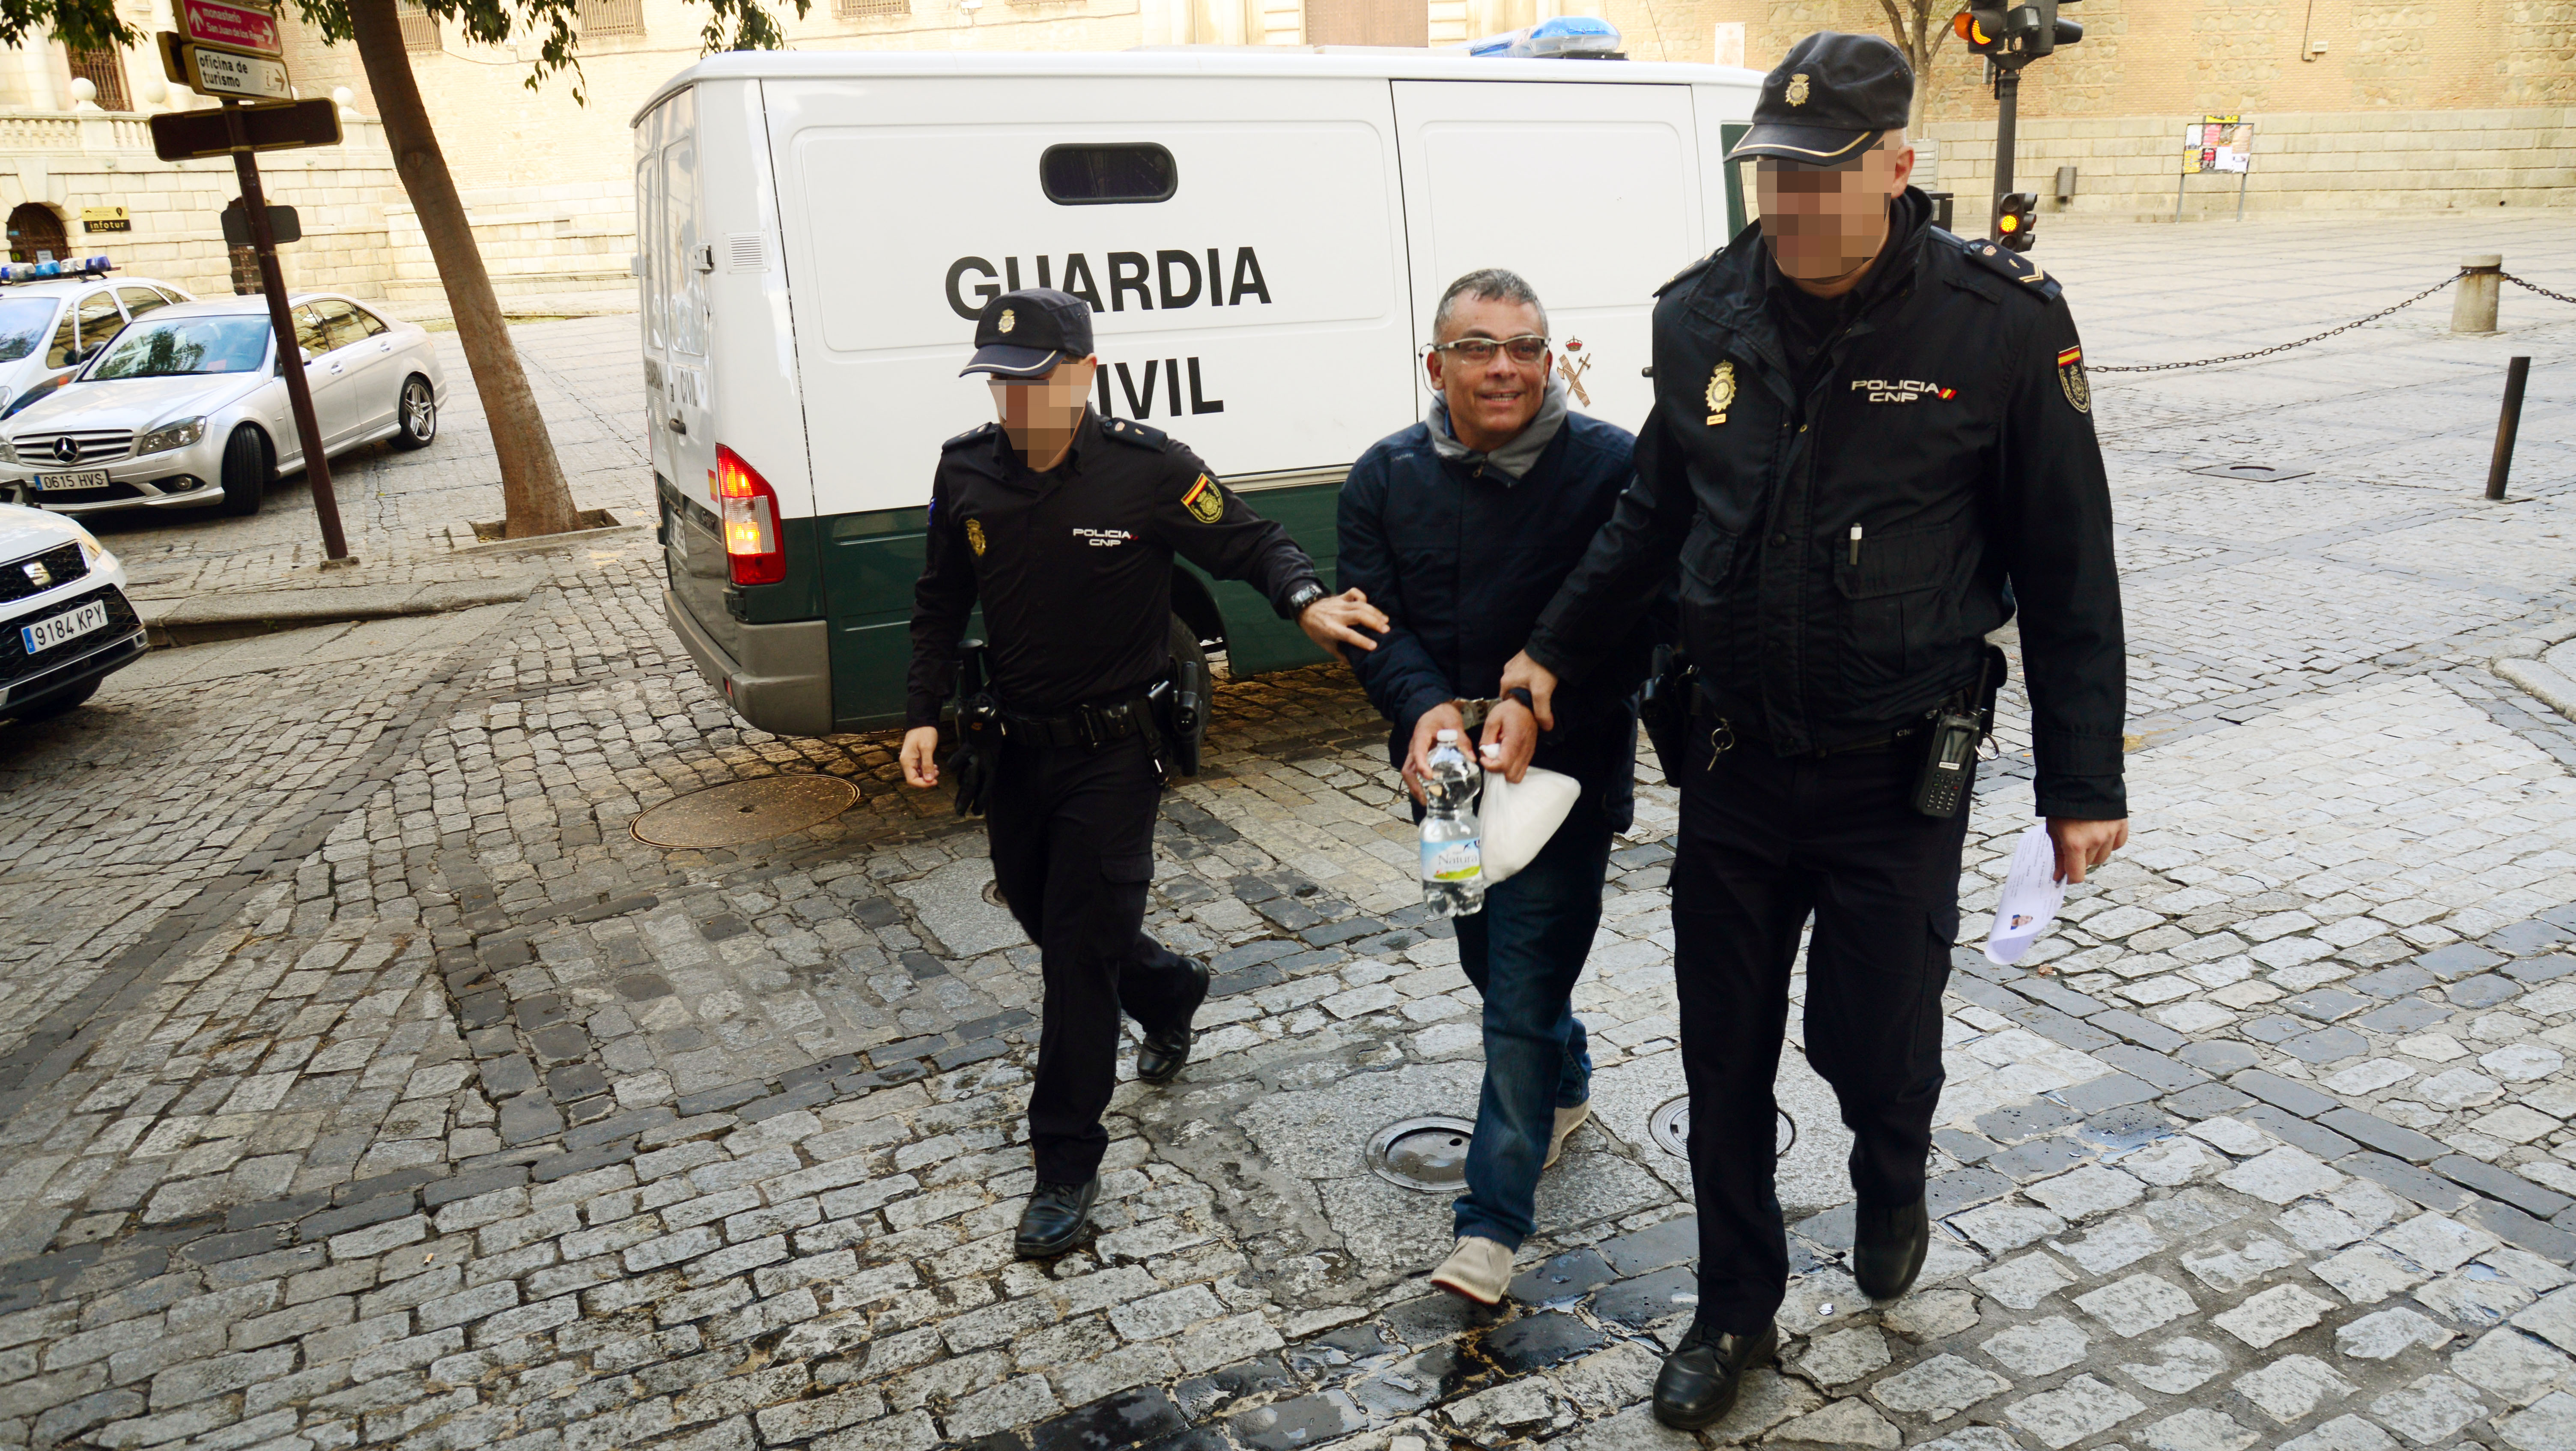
{"points": [[187, 406]]}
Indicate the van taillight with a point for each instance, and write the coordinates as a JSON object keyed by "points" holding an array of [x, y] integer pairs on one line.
{"points": [[752, 546]]}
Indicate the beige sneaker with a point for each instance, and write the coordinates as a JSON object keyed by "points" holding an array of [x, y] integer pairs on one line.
{"points": [[1478, 1269], [1567, 1121]]}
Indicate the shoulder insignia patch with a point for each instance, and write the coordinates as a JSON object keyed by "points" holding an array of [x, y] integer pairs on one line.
{"points": [[2070, 376], [1136, 435], [1205, 500], [2013, 267], [1686, 274], [975, 536], [969, 436]]}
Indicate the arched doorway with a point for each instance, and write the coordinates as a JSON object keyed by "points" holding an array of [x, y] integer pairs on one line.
{"points": [[34, 228]]}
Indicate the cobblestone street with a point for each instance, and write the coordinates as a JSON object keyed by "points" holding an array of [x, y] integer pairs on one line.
{"points": [[365, 1081]]}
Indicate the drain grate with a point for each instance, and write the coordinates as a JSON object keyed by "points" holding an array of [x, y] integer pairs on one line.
{"points": [[1670, 1129], [1428, 1153], [745, 811], [2251, 473]]}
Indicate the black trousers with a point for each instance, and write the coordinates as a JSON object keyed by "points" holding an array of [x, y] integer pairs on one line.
{"points": [[1072, 833], [1765, 842]]}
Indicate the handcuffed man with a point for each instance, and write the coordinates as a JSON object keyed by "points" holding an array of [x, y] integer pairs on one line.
{"points": [[1080, 635], [1869, 440], [1461, 528]]}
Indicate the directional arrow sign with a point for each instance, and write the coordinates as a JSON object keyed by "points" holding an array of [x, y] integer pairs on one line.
{"points": [[250, 77], [233, 27]]}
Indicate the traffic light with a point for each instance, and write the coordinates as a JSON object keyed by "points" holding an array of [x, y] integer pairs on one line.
{"points": [[2045, 32], [2016, 216], [2013, 35], [1982, 27]]}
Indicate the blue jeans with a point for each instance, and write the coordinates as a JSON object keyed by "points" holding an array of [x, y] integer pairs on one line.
{"points": [[1523, 953]]}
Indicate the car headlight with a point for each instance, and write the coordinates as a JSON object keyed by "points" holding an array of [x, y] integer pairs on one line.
{"points": [[172, 435]]}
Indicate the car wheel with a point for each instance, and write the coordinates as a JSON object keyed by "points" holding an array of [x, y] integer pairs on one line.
{"points": [[68, 701], [415, 414], [246, 469]]}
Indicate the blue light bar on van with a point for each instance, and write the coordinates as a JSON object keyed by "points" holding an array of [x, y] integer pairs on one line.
{"points": [[1567, 37], [65, 267]]}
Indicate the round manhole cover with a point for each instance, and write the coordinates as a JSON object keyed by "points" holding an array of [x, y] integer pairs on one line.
{"points": [[1423, 1153], [745, 811], [1670, 1128]]}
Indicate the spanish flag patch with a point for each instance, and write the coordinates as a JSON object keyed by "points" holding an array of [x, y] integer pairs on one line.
{"points": [[1205, 501], [2069, 356]]}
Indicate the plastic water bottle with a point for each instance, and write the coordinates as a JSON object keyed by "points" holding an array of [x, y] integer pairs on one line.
{"points": [[1453, 862]]}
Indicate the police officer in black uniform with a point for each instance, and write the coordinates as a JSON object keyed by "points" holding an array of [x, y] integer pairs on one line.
{"points": [[1870, 441], [1064, 525]]}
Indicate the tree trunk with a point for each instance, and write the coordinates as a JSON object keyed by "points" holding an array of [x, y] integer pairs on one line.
{"points": [[535, 499]]}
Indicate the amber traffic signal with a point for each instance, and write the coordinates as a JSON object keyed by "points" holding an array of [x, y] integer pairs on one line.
{"points": [[2016, 216]]}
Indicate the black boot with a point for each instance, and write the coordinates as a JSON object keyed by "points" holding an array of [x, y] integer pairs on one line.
{"points": [[1888, 1247], [1700, 1379], [1160, 1056], [1055, 1217]]}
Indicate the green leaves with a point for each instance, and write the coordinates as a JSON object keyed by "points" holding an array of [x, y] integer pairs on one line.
{"points": [[553, 24]]}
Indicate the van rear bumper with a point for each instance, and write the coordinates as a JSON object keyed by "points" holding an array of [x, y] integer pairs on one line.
{"points": [[782, 683]]}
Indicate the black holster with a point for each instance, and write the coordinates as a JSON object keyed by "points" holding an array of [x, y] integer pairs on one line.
{"points": [[977, 758], [1180, 709], [1664, 707]]}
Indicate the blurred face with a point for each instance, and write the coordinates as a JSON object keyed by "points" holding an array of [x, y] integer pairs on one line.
{"points": [[1490, 401], [1825, 223], [1040, 414]]}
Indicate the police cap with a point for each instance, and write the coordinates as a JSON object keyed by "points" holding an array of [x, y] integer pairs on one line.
{"points": [[1830, 100], [1024, 334]]}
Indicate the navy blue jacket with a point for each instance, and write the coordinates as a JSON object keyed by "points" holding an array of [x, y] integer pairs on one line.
{"points": [[1462, 560]]}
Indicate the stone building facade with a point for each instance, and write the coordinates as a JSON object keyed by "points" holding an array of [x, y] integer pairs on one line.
{"points": [[2356, 104]]}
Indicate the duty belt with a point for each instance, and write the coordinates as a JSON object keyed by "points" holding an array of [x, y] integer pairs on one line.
{"points": [[1725, 734], [1090, 725]]}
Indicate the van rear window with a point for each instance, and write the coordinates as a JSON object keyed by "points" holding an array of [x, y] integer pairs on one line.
{"points": [[1080, 176]]}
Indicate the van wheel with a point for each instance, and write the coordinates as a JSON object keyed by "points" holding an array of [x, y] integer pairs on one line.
{"points": [[246, 468], [415, 414]]}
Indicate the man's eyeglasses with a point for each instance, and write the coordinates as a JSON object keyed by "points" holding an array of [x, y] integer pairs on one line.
{"points": [[1525, 349]]}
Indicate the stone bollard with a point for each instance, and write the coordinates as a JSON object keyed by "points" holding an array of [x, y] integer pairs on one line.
{"points": [[2474, 310]]}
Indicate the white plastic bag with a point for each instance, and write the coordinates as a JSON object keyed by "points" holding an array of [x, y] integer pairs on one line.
{"points": [[1519, 819], [2032, 894]]}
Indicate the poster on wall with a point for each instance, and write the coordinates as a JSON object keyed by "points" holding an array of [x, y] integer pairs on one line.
{"points": [[2218, 143]]}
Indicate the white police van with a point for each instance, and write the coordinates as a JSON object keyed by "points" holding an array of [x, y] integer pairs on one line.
{"points": [[1264, 232]]}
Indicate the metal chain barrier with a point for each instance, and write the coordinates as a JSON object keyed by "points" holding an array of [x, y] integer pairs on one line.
{"points": [[2534, 287], [2303, 342]]}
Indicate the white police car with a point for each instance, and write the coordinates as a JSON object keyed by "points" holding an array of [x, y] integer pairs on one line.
{"points": [[54, 314], [65, 623]]}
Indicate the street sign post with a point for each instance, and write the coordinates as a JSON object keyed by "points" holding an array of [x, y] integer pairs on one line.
{"points": [[240, 131]]}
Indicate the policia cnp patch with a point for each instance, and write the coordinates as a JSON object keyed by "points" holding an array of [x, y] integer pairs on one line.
{"points": [[1205, 501], [2070, 376]]}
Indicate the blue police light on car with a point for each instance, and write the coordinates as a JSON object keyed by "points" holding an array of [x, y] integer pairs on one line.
{"points": [[64, 267], [1567, 37]]}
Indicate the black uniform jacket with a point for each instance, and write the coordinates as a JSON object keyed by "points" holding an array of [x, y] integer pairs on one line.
{"points": [[1074, 565], [1845, 548]]}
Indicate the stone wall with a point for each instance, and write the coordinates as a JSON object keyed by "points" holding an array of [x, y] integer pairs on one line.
{"points": [[2367, 160], [97, 160], [567, 247]]}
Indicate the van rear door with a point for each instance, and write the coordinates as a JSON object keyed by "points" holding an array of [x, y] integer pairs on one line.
{"points": [[1240, 240], [1604, 181]]}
